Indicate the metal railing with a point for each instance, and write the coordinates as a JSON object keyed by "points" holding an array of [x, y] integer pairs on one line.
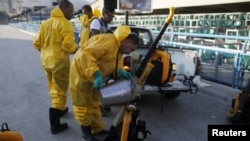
{"points": [[225, 59]]}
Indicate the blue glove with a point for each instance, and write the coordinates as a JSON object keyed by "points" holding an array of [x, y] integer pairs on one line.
{"points": [[97, 80], [124, 74]]}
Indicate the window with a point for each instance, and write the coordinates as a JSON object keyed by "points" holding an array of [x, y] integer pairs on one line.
{"points": [[175, 29], [181, 23], [229, 23], [201, 23], [214, 23], [237, 23], [145, 37], [177, 23], [232, 33], [207, 23], [194, 23], [187, 23]]}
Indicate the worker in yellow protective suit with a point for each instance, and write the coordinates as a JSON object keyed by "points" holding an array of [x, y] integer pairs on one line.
{"points": [[93, 61], [86, 18], [55, 41], [100, 26]]}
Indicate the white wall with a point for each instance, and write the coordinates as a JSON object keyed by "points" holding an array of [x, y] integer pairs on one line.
{"points": [[31, 3], [156, 4], [159, 4]]}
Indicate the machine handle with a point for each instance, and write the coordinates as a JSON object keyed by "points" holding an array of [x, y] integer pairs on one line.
{"points": [[143, 64]]}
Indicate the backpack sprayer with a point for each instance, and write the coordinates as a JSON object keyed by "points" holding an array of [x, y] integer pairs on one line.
{"points": [[146, 65], [240, 111]]}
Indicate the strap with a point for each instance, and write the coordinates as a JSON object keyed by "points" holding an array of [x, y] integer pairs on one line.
{"points": [[5, 127], [104, 27], [90, 35], [162, 98], [102, 23], [116, 65]]}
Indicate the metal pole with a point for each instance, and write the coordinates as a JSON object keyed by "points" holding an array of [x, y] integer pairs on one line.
{"points": [[126, 18], [40, 14], [26, 13]]}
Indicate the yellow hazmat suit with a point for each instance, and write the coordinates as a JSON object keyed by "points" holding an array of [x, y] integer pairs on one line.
{"points": [[98, 54], [85, 33], [55, 40]]}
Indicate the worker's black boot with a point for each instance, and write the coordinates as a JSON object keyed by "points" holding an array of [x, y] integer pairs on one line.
{"points": [[64, 112], [55, 125], [86, 133], [112, 134]]}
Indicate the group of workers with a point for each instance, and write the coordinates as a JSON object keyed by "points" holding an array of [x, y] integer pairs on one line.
{"points": [[97, 57]]}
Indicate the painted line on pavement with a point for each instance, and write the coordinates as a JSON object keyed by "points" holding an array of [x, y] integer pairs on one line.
{"points": [[27, 32]]}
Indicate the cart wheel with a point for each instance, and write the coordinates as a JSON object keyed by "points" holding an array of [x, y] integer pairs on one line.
{"points": [[172, 95]]}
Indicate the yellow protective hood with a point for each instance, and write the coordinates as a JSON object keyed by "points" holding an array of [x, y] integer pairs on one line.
{"points": [[122, 32], [56, 12], [96, 12]]}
